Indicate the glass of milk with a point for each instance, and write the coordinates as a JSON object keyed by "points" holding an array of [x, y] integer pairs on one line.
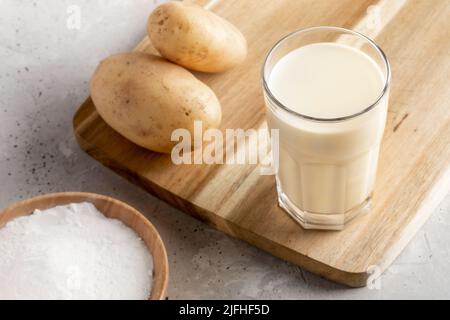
{"points": [[326, 91]]}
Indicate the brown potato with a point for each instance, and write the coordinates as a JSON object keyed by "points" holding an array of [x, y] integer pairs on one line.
{"points": [[145, 98], [196, 38]]}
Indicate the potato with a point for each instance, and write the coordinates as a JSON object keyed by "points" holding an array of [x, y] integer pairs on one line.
{"points": [[196, 38], [145, 97]]}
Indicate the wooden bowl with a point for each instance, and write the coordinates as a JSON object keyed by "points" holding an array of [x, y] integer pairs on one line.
{"points": [[111, 208]]}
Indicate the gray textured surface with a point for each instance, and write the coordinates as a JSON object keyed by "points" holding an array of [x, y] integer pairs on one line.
{"points": [[43, 79]]}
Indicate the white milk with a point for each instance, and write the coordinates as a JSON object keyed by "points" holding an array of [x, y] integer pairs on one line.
{"points": [[327, 169]]}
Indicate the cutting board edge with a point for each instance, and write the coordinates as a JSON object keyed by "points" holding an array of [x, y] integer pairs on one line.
{"points": [[433, 198]]}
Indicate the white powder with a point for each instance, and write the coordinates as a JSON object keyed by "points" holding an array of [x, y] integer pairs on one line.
{"points": [[72, 252]]}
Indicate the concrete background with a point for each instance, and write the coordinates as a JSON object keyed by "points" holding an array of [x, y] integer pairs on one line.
{"points": [[44, 73]]}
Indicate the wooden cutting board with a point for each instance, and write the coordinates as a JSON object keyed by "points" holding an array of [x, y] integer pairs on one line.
{"points": [[413, 174]]}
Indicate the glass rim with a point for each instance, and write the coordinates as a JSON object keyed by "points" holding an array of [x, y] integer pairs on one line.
{"points": [[387, 81]]}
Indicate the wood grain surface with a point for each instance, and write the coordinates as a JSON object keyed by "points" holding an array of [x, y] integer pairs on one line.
{"points": [[413, 173]]}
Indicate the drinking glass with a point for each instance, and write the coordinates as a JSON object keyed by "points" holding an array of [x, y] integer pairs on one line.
{"points": [[327, 166]]}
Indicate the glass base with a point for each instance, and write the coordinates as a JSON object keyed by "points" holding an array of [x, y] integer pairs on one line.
{"points": [[322, 221]]}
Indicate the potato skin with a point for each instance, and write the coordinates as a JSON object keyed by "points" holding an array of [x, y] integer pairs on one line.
{"points": [[145, 98], [196, 38]]}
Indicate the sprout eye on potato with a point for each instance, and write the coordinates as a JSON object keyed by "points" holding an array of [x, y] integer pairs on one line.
{"points": [[144, 98], [195, 38]]}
